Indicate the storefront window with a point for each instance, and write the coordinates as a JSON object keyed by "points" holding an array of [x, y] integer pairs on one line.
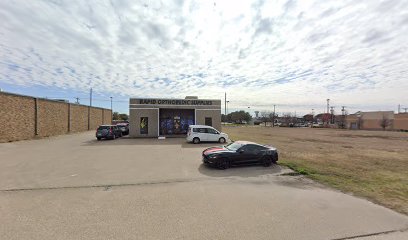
{"points": [[175, 121]]}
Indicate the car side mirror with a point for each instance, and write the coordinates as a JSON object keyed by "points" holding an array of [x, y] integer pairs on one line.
{"points": [[241, 151]]}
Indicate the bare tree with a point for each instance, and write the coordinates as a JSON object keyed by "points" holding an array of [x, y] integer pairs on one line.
{"points": [[360, 122], [288, 119], [271, 118], [265, 116], [385, 122], [341, 121]]}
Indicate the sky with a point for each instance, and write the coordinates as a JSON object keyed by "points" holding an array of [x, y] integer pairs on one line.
{"points": [[294, 54]]}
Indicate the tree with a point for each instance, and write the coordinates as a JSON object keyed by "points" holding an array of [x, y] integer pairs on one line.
{"points": [[123, 116], [115, 116], [341, 121], [360, 122], [226, 118], [385, 122], [272, 117], [288, 119], [240, 116], [120, 116], [265, 116]]}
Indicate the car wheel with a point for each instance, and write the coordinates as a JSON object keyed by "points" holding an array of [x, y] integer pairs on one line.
{"points": [[223, 164], [221, 140], [196, 140], [275, 158], [267, 161], [98, 138]]}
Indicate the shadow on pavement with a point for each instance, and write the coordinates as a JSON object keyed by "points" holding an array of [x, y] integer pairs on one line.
{"points": [[240, 171]]}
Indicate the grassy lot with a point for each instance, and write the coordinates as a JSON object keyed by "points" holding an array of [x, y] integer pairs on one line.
{"points": [[369, 164]]}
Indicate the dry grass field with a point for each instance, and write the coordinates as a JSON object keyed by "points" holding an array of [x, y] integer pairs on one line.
{"points": [[369, 164]]}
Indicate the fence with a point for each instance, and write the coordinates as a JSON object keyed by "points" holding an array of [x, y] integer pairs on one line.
{"points": [[25, 117]]}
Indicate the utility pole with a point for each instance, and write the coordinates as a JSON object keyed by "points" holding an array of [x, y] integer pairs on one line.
{"points": [[77, 100], [225, 104], [405, 109], [111, 103], [273, 119], [89, 109], [328, 106], [343, 117], [90, 98]]}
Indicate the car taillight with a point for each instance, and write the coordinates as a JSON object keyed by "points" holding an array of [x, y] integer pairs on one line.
{"points": [[110, 130]]}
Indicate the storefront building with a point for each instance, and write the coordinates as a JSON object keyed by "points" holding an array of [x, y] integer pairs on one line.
{"points": [[151, 117]]}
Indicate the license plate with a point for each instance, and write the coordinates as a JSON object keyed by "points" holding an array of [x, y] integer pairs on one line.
{"points": [[99, 134]]}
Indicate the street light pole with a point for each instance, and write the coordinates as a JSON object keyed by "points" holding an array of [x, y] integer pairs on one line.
{"points": [[111, 110], [226, 112]]}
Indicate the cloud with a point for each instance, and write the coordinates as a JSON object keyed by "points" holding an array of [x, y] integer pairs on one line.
{"points": [[290, 53]]}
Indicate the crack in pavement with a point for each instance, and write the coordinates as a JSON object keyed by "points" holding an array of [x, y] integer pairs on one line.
{"points": [[169, 181], [372, 234], [107, 186]]}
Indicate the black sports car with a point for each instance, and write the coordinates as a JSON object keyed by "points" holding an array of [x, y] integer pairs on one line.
{"points": [[240, 152]]}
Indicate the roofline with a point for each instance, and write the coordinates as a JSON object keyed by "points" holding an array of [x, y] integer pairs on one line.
{"points": [[138, 98]]}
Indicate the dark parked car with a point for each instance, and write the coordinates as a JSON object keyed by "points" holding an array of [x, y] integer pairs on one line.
{"points": [[240, 152], [108, 132], [124, 127]]}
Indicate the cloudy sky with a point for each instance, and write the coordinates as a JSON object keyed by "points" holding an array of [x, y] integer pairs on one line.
{"points": [[294, 54]]}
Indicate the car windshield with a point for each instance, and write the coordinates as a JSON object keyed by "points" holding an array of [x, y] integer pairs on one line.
{"points": [[103, 127], [233, 146]]}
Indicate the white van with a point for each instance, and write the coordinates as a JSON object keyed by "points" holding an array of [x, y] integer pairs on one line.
{"points": [[203, 133]]}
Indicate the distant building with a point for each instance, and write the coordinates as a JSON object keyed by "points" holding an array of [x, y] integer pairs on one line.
{"points": [[401, 121], [377, 120]]}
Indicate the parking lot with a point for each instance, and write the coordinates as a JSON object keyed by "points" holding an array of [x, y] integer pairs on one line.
{"points": [[75, 187]]}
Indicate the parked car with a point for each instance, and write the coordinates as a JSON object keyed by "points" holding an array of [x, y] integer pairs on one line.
{"points": [[203, 133], [124, 127], [240, 152], [108, 132], [301, 125], [317, 125]]}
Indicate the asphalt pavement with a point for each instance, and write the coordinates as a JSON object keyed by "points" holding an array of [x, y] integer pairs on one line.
{"points": [[74, 187]]}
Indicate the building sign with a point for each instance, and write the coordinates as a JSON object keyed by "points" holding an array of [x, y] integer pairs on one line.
{"points": [[175, 102], [144, 125]]}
